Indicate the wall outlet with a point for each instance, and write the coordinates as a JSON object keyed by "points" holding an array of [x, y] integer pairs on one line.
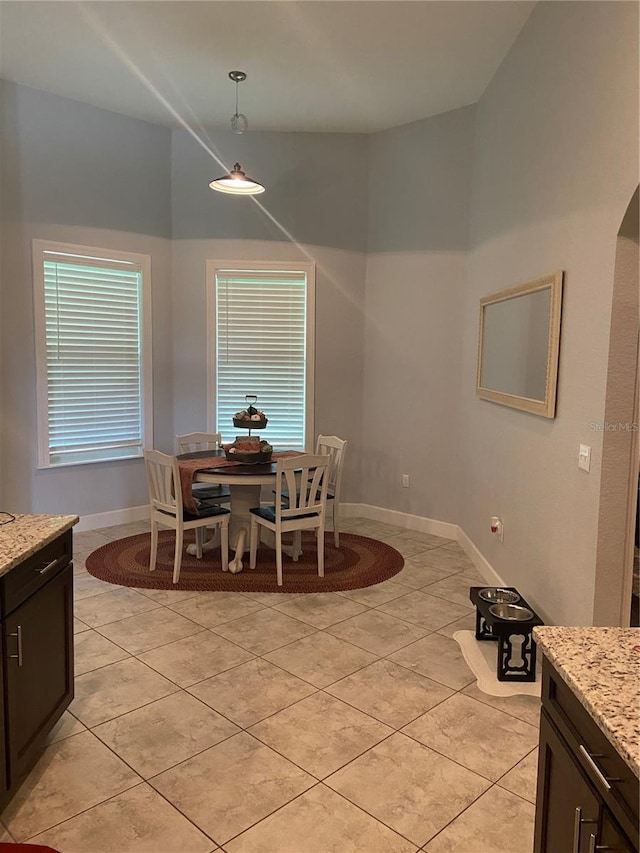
{"points": [[405, 481], [584, 457]]}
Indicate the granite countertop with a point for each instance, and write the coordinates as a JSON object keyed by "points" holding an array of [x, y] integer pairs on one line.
{"points": [[21, 538], [602, 667]]}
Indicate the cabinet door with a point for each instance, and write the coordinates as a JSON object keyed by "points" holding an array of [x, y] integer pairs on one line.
{"points": [[39, 669], [4, 776], [562, 791]]}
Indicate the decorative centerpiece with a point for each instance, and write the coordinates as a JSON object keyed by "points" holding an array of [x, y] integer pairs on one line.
{"points": [[249, 449], [251, 417]]}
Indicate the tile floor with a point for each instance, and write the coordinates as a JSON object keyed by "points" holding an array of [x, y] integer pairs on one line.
{"points": [[263, 723]]}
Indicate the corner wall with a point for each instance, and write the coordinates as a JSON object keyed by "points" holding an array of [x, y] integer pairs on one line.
{"points": [[76, 174], [555, 164]]}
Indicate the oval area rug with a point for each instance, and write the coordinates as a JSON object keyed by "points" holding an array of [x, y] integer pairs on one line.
{"points": [[359, 562]]}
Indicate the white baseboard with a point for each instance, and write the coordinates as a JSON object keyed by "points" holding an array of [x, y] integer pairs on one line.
{"points": [[485, 568], [426, 525], [108, 519], [401, 519]]}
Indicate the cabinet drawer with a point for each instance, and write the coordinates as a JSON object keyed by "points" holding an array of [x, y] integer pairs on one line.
{"points": [[25, 579], [592, 748]]}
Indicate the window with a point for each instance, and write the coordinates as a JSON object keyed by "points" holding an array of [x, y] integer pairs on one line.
{"points": [[93, 353], [261, 341]]}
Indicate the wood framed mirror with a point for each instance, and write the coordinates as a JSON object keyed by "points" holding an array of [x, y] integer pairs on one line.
{"points": [[519, 346]]}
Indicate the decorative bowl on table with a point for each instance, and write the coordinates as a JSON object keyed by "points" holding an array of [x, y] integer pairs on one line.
{"points": [[248, 451], [250, 418]]}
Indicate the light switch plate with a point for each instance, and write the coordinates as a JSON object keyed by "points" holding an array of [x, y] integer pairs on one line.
{"points": [[584, 457]]}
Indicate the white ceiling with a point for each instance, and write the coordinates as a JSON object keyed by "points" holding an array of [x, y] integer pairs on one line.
{"points": [[332, 65]]}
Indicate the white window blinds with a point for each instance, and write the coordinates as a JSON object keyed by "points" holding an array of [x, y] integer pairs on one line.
{"points": [[262, 348], [91, 365]]}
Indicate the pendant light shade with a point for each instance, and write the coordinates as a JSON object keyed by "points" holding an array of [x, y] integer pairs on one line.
{"points": [[236, 182]]}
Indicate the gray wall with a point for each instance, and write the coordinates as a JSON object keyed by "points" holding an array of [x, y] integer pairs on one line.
{"points": [[555, 164], [82, 175], [419, 197]]}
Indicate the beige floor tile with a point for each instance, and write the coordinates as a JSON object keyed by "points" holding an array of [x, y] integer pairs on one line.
{"points": [[66, 726], [195, 658], [88, 541], [320, 733], [270, 599], [320, 658], [425, 610], [149, 630], [112, 606], [473, 572], [478, 831], [320, 821], [79, 626], [164, 733], [85, 586], [389, 692], [167, 596], [377, 632], [214, 608], [138, 821], [408, 787], [428, 539], [321, 609], [445, 558], [404, 546], [116, 689], [92, 650], [251, 692], [438, 658], [72, 775], [232, 785], [523, 707], [415, 574], [5, 836], [264, 631], [453, 588], [467, 732], [523, 778], [465, 623], [372, 596]]}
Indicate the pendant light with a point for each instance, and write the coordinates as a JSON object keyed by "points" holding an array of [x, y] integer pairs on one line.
{"points": [[236, 182]]}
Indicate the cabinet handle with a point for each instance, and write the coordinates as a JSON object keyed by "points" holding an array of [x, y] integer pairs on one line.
{"points": [[603, 779], [18, 635], [594, 846], [577, 829], [48, 567]]}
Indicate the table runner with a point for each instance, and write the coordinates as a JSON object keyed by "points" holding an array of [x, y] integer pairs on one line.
{"points": [[190, 467]]}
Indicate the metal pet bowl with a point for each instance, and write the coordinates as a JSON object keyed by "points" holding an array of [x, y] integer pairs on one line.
{"points": [[497, 595], [511, 612]]}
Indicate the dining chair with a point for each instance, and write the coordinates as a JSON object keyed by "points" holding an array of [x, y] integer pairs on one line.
{"points": [[304, 477], [165, 498], [192, 442], [335, 448]]}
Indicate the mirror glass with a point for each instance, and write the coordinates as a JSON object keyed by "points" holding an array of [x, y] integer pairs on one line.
{"points": [[519, 344]]}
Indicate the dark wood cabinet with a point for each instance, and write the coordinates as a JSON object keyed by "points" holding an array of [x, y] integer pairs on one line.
{"points": [[587, 798], [36, 599]]}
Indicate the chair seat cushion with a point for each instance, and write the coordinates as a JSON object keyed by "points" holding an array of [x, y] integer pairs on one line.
{"points": [[204, 491], [206, 509], [269, 514]]}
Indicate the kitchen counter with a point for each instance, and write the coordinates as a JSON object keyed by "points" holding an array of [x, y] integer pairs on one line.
{"points": [[602, 668], [21, 538]]}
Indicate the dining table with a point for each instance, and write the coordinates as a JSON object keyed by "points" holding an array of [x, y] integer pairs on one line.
{"points": [[245, 482]]}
